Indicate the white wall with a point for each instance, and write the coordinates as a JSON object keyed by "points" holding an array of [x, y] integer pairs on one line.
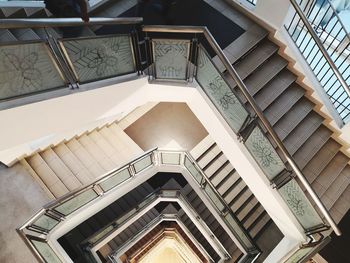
{"points": [[36, 125]]}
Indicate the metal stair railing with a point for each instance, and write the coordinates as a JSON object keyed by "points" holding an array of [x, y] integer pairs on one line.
{"points": [[324, 41], [35, 66], [251, 128], [35, 231]]}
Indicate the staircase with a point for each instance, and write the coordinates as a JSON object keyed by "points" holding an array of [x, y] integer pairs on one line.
{"points": [[233, 190], [295, 119], [73, 241], [101, 9], [70, 164]]}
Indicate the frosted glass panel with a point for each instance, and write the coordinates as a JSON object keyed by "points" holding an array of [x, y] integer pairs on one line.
{"points": [[27, 68], [143, 163], [193, 170], [299, 255], [100, 58], [219, 92], [300, 205], [115, 180], [212, 195], [101, 234], [45, 251], [76, 202], [239, 231], [170, 158], [264, 153], [171, 58], [46, 222]]}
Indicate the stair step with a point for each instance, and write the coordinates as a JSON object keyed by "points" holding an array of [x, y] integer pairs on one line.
{"points": [[119, 155], [260, 224], [85, 158], [235, 256], [96, 152], [248, 209], [262, 76], [320, 161], [233, 191], [244, 191], [310, 148], [295, 115], [251, 217], [338, 186], [106, 147], [283, 103], [13, 12], [330, 173], [214, 165], [6, 36], [222, 174], [42, 33], [302, 132], [49, 178], [74, 164], [251, 61], [342, 204], [275, 87], [246, 42], [202, 147], [209, 156], [131, 149], [231, 181], [24, 34], [246, 195], [37, 12], [60, 169]]}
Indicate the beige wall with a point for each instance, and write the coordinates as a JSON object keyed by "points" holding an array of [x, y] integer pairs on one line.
{"points": [[33, 126]]}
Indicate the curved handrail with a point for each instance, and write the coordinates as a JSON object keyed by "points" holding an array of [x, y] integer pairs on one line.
{"points": [[233, 73], [9, 23]]}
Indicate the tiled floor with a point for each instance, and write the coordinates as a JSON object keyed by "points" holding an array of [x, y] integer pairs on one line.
{"points": [[167, 125]]}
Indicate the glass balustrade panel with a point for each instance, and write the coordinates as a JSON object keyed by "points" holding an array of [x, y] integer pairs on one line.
{"points": [[219, 92], [115, 180], [76, 202], [171, 58], [143, 163], [27, 69], [239, 233], [264, 153], [214, 198], [193, 170], [101, 234], [299, 255], [45, 222], [298, 203], [100, 57], [45, 251], [170, 158]]}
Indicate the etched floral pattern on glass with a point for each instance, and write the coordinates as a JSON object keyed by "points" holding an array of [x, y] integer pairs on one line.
{"points": [[171, 58], [27, 68], [264, 153], [100, 58], [300, 205], [219, 92]]}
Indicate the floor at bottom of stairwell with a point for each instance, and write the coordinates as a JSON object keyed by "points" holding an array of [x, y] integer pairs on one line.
{"points": [[167, 125]]}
